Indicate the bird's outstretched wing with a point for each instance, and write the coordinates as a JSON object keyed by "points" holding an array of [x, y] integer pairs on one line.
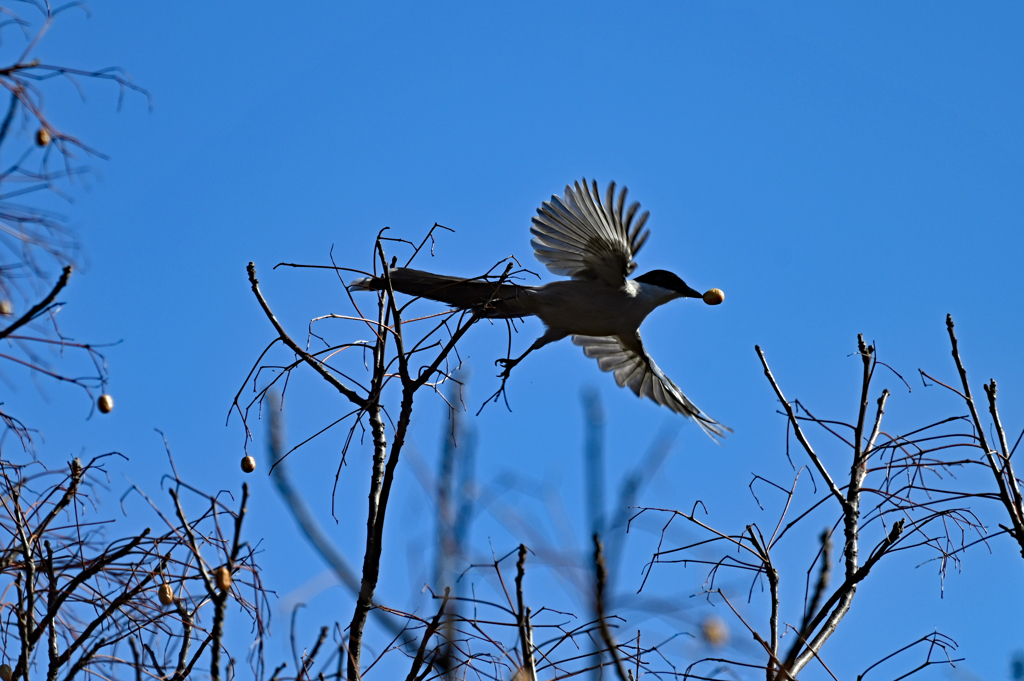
{"points": [[638, 371], [578, 236]]}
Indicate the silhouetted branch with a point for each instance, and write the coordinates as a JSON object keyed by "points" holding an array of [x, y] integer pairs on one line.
{"points": [[39, 307], [427, 633], [800, 433], [523, 620], [1002, 471], [600, 577]]}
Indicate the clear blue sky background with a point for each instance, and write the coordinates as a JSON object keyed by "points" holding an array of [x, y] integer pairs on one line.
{"points": [[836, 170]]}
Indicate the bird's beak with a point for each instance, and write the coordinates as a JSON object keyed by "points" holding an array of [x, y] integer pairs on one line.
{"points": [[690, 293]]}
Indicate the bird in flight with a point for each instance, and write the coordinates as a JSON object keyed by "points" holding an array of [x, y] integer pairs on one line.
{"points": [[592, 242]]}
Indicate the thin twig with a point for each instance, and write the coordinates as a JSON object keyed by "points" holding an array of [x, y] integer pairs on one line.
{"points": [[800, 433], [427, 633], [39, 307]]}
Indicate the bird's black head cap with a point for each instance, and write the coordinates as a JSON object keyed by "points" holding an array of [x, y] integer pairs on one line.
{"points": [[667, 280]]}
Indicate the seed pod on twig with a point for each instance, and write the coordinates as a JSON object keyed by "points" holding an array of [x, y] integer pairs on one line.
{"points": [[105, 403], [222, 577], [6, 308], [5, 672], [42, 137], [248, 464], [166, 594]]}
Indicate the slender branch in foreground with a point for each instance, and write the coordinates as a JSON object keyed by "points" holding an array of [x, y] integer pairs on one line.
{"points": [[601, 578], [383, 474], [842, 599], [1007, 454], [761, 549], [800, 433], [523, 619], [427, 633], [820, 586], [39, 307], [307, 522], [376, 504], [309, 359], [1009, 500]]}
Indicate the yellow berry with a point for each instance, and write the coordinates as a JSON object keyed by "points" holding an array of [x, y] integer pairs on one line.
{"points": [[105, 403], [166, 594], [42, 137], [248, 464], [714, 296]]}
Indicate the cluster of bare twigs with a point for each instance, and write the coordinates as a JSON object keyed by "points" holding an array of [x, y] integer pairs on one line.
{"points": [[41, 157], [998, 461], [393, 350], [496, 637], [77, 602], [899, 489]]}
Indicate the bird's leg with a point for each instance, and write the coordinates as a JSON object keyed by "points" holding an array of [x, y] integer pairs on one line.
{"points": [[548, 337], [507, 363]]}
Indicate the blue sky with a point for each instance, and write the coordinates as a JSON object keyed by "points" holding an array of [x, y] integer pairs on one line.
{"points": [[835, 170]]}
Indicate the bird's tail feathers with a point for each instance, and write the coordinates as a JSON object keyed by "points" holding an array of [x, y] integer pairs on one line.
{"points": [[483, 294]]}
